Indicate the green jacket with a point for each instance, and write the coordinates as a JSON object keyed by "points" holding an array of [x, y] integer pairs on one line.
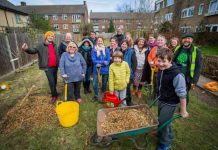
{"points": [[119, 75], [42, 51]]}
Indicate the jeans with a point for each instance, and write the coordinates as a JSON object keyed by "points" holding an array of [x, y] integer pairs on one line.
{"points": [[73, 91], [165, 113], [51, 74], [122, 95], [128, 93], [95, 83]]}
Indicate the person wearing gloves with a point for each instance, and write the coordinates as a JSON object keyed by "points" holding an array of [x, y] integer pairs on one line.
{"points": [[119, 76], [73, 69], [101, 60], [172, 91], [85, 48], [48, 60]]}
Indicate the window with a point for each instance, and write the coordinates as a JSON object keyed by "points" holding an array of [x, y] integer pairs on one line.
{"points": [[64, 17], [75, 27], [170, 2], [46, 17], [55, 17], [187, 12], [56, 26], [169, 17], [65, 26], [186, 29], [213, 7], [18, 20], [157, 8], [212, 28], [76, 18], [200, 9]]}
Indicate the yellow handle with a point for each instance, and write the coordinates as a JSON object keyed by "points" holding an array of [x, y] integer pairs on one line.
{"points": [[65, 91], [58, 103]]}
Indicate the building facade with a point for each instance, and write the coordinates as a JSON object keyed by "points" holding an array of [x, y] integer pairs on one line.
{"points": [[11, 16], [64, 18], [126, 21], [187, 15]]}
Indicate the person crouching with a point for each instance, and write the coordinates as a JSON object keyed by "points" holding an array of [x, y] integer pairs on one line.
{"points": [[119, 76], [73, 68]]}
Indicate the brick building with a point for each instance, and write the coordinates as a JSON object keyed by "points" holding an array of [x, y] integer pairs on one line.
{"points": [[126, 21], [187, 15], [64, 18]]}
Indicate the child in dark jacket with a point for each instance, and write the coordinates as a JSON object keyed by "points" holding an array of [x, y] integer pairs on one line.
{"points": [[172, 91], [85, 48]]}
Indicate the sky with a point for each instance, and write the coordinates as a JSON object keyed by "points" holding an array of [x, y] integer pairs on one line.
{"points": [[94, 5]]}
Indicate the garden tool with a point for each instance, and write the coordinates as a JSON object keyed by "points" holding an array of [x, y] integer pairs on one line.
{"points": [[152, 79], [99, 76]]}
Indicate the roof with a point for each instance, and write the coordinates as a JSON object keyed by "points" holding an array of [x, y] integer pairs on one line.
{"points": [[55, 9], [6, 5], [115, 15]]}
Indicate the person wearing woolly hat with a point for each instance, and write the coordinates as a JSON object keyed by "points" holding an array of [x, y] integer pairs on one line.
{"points": [[85, 48], [48, 60], [73, 67], [63, 45], [119, 76], [189, 58]]}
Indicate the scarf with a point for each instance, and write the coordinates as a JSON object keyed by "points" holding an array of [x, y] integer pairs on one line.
{"points": [[99, 49]]}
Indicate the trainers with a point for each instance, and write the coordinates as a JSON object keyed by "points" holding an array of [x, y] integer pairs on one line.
{"points": [[79, 100], [53, 99], [163, 147]]}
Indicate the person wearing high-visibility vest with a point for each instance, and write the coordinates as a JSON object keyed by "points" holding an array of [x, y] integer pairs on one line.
{"points": [[189, 58]]}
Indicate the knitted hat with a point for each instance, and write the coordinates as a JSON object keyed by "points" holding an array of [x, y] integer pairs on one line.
{"points": [[48, 33]]}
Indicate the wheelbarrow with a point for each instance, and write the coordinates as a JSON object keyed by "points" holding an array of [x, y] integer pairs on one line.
{"points": [[105, 140]]}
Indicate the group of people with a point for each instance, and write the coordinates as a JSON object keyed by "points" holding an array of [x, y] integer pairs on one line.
{"points": [[127, 65]]}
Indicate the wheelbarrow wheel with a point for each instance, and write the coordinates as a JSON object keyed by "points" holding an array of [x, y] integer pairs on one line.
{"points": [[102, 142]]}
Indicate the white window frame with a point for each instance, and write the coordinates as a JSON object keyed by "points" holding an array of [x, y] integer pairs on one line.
{"points": [[54, 17], [56, 26], [65, 26], [211, 27], [46, 17], [18, 19], [210, 6], [64, 16], [157, 8], [169, 2], [76, 18], [169, 17], [201, 9], [185, 13], [185, 29]]}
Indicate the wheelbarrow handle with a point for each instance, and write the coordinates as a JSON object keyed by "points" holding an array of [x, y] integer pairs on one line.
{"points": [[153, 102], [176, 116]]}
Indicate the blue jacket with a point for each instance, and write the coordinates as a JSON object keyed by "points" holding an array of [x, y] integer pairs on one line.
{"points": [[74, 66], [130, 58], [100, 60]]}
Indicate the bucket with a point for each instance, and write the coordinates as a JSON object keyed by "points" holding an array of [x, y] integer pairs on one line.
{"points": [[67, 112], [111, 100]]}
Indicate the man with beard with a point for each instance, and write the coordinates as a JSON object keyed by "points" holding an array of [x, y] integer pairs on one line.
{"points": [[189, 58]]}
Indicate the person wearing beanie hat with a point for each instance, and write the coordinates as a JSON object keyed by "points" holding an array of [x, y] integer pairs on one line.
{"points": [[48, 60], [189, 58], [119, 76], [73, 67], [63, 45]]}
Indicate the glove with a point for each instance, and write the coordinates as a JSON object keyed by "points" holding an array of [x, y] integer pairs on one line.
{"points": [[83, 75], [98, 65], [64, 76], [106, 63]]}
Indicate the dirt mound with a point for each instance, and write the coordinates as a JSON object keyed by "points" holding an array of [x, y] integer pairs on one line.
{"points": [[35, 112]]}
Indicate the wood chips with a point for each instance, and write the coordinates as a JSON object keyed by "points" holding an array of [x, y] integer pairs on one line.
{"points": [[126, 119], [37, 112]]}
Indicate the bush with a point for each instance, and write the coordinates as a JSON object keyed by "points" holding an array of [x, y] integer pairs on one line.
{"points": [[203, 38]]}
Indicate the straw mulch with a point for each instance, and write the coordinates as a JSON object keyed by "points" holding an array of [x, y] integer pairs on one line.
{"points": [[35, 112], [126, 119]]}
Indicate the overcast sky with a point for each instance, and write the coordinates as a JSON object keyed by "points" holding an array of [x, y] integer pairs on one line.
{"points": [[94, 5]]}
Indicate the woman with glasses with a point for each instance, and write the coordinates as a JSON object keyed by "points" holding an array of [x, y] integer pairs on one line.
{"points": [[73, 69]]}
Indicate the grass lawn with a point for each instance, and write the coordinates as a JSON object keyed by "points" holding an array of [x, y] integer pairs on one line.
{"points": [[209, 49], [198, 132]]}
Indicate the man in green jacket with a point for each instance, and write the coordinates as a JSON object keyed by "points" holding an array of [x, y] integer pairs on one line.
{"points": [[189, 58], [48, 59]]}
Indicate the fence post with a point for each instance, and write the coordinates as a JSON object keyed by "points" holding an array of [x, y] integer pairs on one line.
{"points": [[18, 51], [9, 52]]}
